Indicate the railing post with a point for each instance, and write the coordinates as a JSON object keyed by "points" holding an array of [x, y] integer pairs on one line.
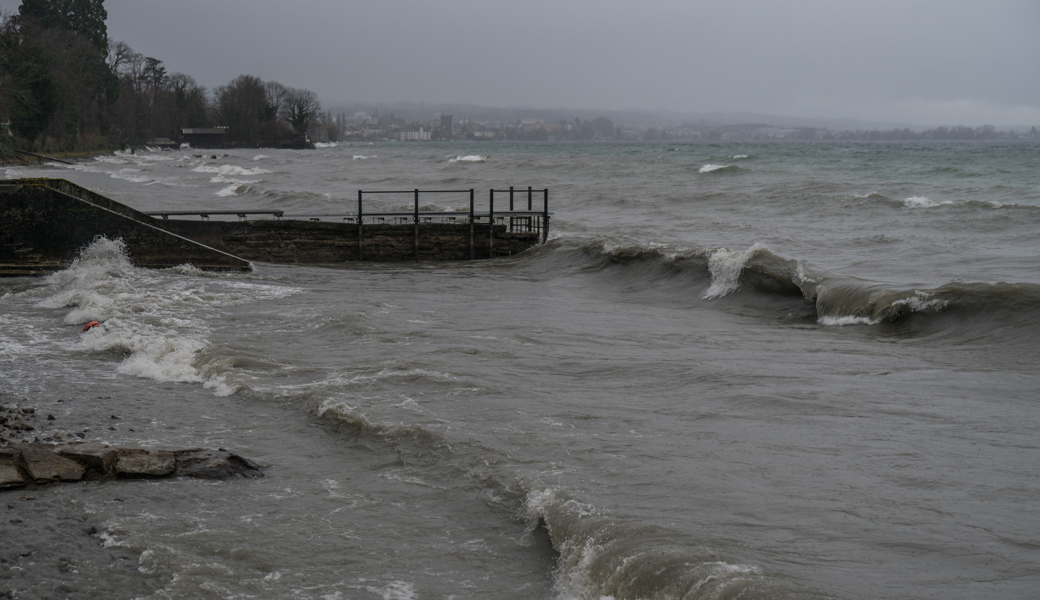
{"points": [[510, 208], [417, 224], [491, 225], [530, 193], [545, 216], [360, 220], [471, 224]]}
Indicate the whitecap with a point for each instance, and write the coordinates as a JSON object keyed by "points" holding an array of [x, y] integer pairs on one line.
{"points": [[846, 320], [150, 317], [468, 158], [363, 157], [232, 190], [710, 167], [726, 267], [921, 301], [739, 156], [924, 202], [228, 170], [223, 179]]}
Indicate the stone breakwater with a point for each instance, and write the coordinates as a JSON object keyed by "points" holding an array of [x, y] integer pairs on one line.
{"points": [[35, 464], [31, 455]]}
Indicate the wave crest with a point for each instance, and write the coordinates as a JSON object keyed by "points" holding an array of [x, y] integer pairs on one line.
{"points": [[601, 556]]}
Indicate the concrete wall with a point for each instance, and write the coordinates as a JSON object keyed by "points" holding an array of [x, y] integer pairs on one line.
{"points": [[286, 241], [45, 222], [42, 229]]}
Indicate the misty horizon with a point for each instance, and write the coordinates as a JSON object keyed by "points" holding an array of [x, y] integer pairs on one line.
{"points": [[893, 65]]}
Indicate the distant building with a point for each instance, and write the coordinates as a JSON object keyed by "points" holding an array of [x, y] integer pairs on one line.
{"points": [[446, 126], [205, 137], [414, 136]]}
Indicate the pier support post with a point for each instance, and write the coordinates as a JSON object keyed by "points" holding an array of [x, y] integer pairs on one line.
{"points": [[545, 215], [416, 224], [360, 220], [471, 225], [491, 225]]}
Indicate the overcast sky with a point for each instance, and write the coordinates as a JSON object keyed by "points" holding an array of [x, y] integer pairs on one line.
{"points": [[927, 62]]}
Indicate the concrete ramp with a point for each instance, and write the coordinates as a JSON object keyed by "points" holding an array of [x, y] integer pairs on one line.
{"points": [[45, 222]]}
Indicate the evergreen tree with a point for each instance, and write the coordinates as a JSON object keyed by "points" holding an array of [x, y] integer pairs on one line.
{"points": [[85, 17]]}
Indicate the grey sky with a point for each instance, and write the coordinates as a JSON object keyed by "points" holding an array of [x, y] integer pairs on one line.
{"points": [[927, 62]]}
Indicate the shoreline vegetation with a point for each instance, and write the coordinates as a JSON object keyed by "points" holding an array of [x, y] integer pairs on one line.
{"points": [[67, 89]]}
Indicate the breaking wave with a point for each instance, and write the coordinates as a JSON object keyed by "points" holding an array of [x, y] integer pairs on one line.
{"points": [[713, 168], [599, 555], [717, 274], [468, 158], [154, 320], [229, 170], [603, 556], [923, 202]]}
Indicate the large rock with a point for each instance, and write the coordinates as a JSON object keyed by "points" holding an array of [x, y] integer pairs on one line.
{"points": [[10, 477], [96, 457], [9, 455], [214, 464], [43, 465], [136, 462]]}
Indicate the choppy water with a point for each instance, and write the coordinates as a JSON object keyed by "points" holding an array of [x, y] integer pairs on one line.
{"points": [[736, 370]]}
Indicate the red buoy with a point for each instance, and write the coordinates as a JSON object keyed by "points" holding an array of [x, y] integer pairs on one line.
{"points": [[90, 325]]}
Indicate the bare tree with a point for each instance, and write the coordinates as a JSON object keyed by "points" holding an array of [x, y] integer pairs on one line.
{"points": [[275, 94], [300, 108]]}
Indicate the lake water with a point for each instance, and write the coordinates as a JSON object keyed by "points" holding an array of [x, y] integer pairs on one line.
{"points": [[736, 370]]}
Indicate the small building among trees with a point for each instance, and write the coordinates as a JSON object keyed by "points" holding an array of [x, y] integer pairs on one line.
{"points": [[205, 137]]}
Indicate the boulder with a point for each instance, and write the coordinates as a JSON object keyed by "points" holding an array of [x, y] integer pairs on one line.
{"points": [[137, 462], [43, 465], [10, 477], [214, 464], [96, 457], [9, 455]]}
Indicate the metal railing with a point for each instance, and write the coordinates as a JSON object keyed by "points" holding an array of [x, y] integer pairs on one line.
{"points": [[529, 220]]}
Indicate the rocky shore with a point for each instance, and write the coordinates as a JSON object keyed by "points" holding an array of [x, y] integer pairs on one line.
{"points": [[31, 456]]}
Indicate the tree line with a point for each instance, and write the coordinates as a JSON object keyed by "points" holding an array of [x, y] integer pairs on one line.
{"points": [[65, 86]]}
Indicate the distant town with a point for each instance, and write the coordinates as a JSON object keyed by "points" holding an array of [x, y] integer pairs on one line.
{"points": [[373, 126]]}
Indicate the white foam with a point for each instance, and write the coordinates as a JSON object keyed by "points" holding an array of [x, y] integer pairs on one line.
{"points": [[229, 170], [923, 202], [804, 276], [846, 320], [325, 144], [234, 189], [710, 167], [225, 179], [396, 590], [152, 318], [726, 266], [259, 157], [468, 158], [739, 156], [921, 301], [363, 157]]}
